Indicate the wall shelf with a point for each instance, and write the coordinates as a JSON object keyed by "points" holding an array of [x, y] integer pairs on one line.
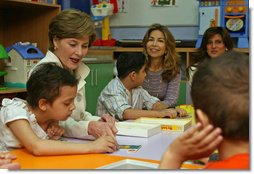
{"points": [[26, 21], [114, 51]]}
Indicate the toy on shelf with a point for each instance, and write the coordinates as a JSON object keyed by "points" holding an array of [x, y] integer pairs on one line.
{"points": [[102, 11], [23, 56], [230, 14], [235, 18]]}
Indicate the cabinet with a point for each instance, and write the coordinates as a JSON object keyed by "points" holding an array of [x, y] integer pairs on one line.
{"points": [[182, 93], [26, 21], [100, 75], [101, 72]]}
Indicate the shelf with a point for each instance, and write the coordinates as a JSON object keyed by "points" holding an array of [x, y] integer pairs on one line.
{"points": [[114, 51], [111, 50], [96, 51], [11, 90], [26, 22], [25, 4]]}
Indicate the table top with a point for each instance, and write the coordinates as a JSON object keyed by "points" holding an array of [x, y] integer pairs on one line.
{"points": [[84, 161], [151, 150]]}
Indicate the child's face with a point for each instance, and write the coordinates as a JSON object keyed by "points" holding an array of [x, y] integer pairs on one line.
{"points": [[140, 76], [63, 105]]}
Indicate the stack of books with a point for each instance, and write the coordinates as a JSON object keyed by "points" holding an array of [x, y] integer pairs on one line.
{"points": [[168, 123]]}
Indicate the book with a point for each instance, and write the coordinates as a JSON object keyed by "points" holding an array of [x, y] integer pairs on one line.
{"points": [[137, 129], [168, 123]]}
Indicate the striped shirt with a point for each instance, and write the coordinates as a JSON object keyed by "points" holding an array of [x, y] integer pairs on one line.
{"points": [[115, 98], [167, 92]]}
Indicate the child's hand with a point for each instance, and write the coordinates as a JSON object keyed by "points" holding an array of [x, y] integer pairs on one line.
{"points": [[195, 143], [104, 144], [171, 113], [181, 112], [54, 131]]}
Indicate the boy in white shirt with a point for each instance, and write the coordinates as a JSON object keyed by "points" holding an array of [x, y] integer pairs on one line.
{"points": [[124, 98]]}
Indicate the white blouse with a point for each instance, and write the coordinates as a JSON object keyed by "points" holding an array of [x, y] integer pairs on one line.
{"points": [[16, 109]]}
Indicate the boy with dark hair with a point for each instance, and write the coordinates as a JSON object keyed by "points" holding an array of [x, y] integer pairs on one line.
{"points": [[124, 98], [51, 91], [220, 93]]}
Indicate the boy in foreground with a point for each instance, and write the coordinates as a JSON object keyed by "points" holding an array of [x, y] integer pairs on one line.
{"points": [[220, 94]]}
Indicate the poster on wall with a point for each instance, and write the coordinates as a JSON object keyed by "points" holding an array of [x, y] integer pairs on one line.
{"points": [[163, 3]]}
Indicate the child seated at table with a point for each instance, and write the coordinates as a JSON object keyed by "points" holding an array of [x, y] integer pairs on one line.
{"points": [[50, 98], [124, 98], [220, 94]]}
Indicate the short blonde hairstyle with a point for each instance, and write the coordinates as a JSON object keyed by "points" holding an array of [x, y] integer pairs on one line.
{"points": [[71, 23]]}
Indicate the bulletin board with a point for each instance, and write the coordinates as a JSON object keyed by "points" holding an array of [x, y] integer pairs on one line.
{"points": [[142, 13]]}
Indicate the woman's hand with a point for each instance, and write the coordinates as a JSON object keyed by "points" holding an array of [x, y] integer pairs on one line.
{"points": [[100, 128], [111, 121]]}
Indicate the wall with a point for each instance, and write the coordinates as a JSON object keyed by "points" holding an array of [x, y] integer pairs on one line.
{"points": [[141, 13], [180, 33], [182, 20]]}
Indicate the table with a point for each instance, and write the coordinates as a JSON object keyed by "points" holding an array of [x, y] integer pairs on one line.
{"points": [[151, 151], [152, 148], [85, 161]]}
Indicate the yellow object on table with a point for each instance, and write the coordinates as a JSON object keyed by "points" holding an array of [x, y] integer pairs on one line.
{"points": [[190, 111]]}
